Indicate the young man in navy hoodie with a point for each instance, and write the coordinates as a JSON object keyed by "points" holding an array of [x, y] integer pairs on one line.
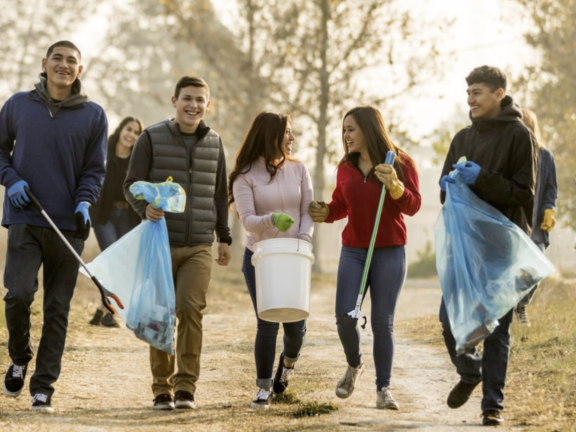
{"points": [[501, 170], [52, 143]]}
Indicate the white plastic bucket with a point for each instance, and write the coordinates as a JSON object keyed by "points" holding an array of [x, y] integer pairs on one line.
{"points": [[283, 274]]}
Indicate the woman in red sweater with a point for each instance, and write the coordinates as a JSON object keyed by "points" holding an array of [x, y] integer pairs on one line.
{"points": [[361, 174]]}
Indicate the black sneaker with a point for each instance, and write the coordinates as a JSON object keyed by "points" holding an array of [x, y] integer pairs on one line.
{"points": [[41, 403], [184, 400], [460, 394], [282, 376], [492, 418], [14, 380], [110, 320], [262, 399], [163, 402], [97, 318]]}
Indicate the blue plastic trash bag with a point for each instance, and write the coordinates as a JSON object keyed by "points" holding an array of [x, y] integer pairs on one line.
{"points": [[485, 263], [167, 196], [151, 314], [138, 269]]}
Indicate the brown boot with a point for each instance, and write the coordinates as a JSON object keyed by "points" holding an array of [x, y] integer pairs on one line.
{"points": [[97, 318], [110, 320]]}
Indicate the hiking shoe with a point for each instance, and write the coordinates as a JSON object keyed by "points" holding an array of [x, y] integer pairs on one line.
{"points": [[41, 403], [262, 399], [522, 316], [163, 402], [492, 418], [110, 320], [385, 400], [184, 400], [282, 376], [460, 394], [346, 385], [14, 380], [97, 318]]}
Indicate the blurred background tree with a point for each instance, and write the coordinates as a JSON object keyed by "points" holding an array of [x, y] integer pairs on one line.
{"points": [[549, 87]]}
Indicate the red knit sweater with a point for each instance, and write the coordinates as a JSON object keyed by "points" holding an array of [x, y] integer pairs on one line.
{"points": [[357, 198]]}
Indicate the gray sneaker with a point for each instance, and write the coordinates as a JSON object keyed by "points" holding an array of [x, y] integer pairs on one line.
{"points": [[522, 315], [385, 400], [346, 385]]}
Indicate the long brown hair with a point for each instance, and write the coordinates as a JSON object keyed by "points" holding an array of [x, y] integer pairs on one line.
{"points": [[371, 123], [115, 137], [531, 121], [263, 139]]}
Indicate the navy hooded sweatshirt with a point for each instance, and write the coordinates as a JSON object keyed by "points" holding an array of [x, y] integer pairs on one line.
{"points": [[59, 148]]}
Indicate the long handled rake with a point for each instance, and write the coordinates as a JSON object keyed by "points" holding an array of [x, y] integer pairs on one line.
{"points": [[357, 313], [104, 293]]}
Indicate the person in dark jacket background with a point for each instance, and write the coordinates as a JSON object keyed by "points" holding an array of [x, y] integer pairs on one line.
{"points": [[186, 149], [501, 170], [544, 213], [112, 216], [53, 144]]}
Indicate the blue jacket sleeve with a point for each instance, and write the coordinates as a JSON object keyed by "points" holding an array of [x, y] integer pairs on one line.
{"points": [[93, 170], [550, 183], [8, 175]]}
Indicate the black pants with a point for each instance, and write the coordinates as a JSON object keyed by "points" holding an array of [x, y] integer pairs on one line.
{"points": [[28, 248]]}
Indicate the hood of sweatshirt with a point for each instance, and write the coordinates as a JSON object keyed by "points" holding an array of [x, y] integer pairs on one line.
{"points": [[509, 112], [77, 98]]}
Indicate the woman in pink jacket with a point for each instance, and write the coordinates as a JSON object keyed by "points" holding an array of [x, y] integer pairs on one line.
{"points": [[272, 193]]}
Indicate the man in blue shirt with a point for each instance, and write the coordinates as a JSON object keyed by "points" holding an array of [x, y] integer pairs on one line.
{"points": [[52, 143]]}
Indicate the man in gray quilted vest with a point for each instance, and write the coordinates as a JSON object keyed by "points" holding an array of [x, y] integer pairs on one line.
{"points": [[186, 149]]}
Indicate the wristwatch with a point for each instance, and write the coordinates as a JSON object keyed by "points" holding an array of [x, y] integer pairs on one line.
{"points": [[228, 240]]}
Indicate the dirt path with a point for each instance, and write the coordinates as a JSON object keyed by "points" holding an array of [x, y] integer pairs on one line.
{"points": [[104, 384]]}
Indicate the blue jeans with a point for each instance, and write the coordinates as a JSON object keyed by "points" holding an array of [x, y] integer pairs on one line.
{"points": [[119, 223], [267, 332], [385, 280], [490, 367], [28, 248]]}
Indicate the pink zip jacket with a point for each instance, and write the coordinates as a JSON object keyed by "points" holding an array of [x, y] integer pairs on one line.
{"points": [[256, 198]]}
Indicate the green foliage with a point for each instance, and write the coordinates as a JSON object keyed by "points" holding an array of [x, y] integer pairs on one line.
{"points": [[550, 86], [425, 266], [314, 409]]}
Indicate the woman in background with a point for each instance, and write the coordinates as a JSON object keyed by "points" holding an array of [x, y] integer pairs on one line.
{"points": [[544, 213], [112, 216]]}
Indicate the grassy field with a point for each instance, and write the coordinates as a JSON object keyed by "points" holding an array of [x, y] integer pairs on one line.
{"points": [[540, 388]]}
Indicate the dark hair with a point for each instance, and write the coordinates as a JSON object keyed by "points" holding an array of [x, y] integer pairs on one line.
{"points": [[66, 44], [264, 138], [115, 137], [493, 77], [371, 123], [188, 81]]}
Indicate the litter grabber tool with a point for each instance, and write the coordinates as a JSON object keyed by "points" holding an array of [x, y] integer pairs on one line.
{"points": [[357, 313], [104, 293]]}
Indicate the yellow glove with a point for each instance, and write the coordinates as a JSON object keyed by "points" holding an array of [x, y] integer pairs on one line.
{"points": [[549, 221], [319, 211], [387, 175]]}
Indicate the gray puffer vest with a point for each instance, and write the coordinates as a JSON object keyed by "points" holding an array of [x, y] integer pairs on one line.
{"points": [[195, 170]]}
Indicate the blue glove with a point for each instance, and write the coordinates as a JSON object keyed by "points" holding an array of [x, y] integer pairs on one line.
{"points": [[17, 194], [468, 172], [445, 179], [82, 218]]}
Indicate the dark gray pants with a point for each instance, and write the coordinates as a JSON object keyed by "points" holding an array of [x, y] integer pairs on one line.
{"points": [[28, 248]]}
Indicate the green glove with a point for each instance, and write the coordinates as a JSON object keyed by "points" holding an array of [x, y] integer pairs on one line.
{"points": [[282, 221]]}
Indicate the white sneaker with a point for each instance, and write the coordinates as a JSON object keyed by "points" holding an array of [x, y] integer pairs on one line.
{"points": [[346, 385], [385, 400], [262, 399]]}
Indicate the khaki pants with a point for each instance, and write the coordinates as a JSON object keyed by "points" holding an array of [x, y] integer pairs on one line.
{"points": [[191, 268]]}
